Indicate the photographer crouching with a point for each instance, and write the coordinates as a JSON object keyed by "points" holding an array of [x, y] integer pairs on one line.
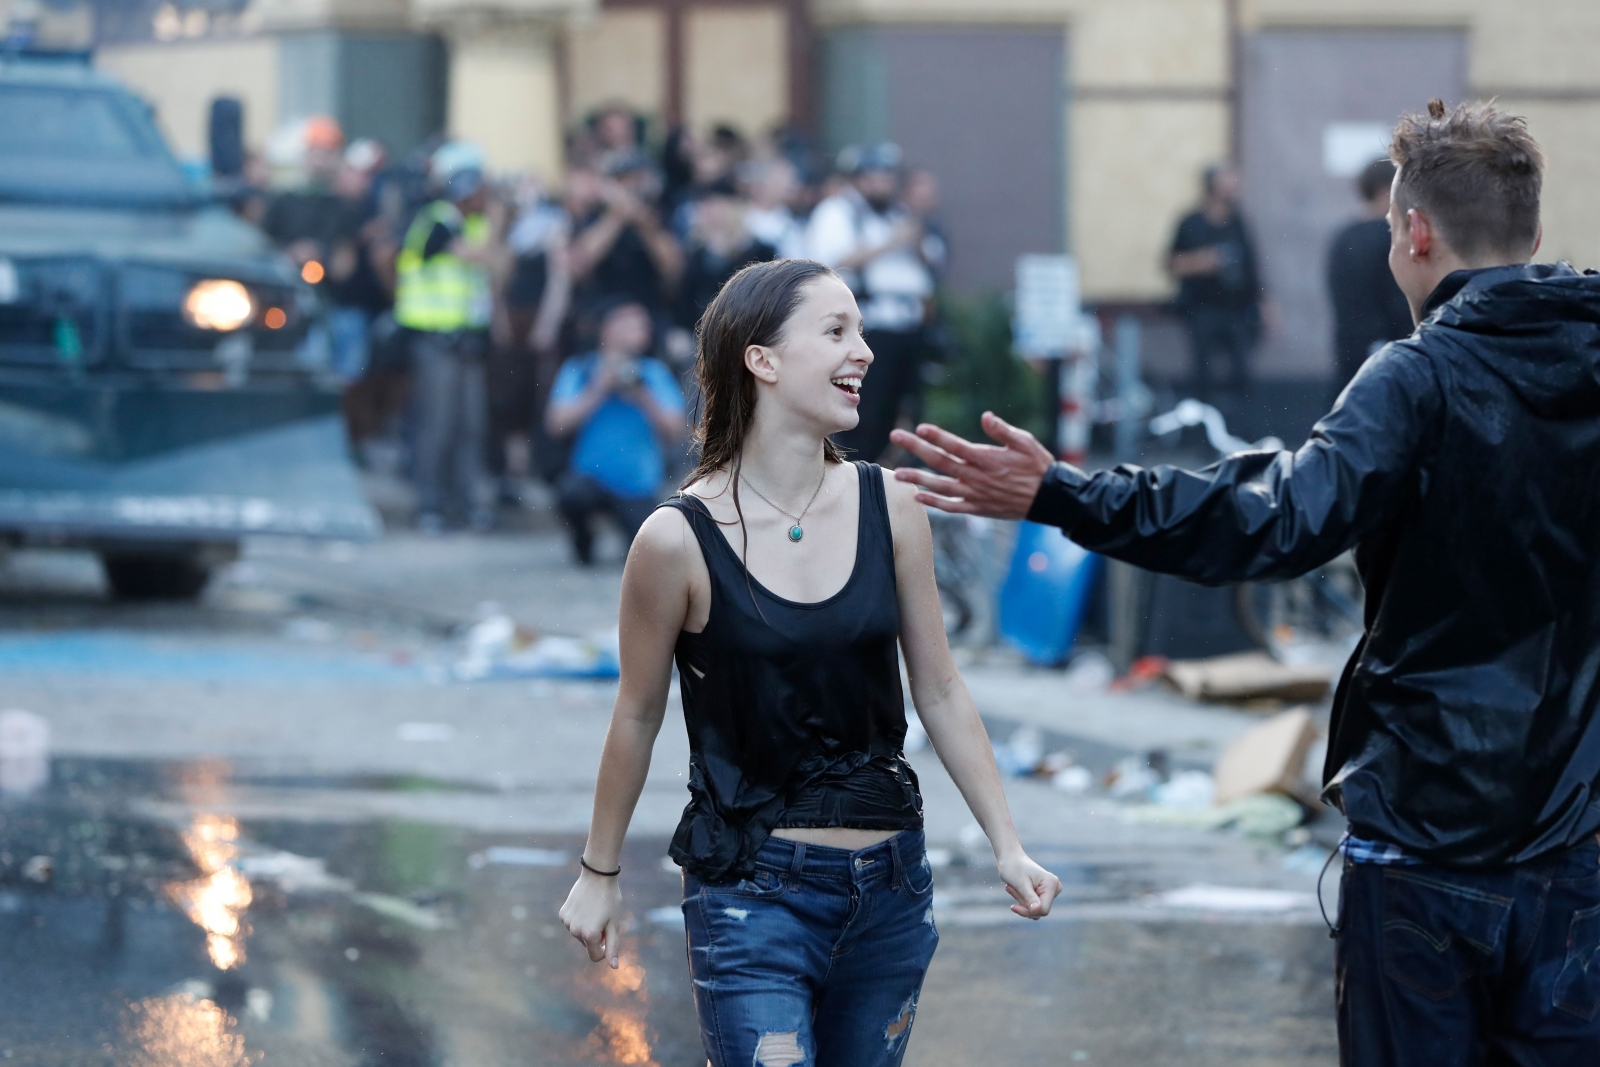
{"points": [[619, 408]]}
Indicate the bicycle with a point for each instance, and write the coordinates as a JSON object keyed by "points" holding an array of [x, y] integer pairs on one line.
{"points": [[961, 570], [1317, 616]]}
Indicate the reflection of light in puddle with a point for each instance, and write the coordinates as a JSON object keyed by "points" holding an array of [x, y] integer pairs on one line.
{"points": [[216, 901], [203, 781], [628, 977], [623, 1036], [181, 1031]]}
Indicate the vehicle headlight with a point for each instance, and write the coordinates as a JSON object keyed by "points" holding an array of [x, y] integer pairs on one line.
{"points": [[218, 304]]}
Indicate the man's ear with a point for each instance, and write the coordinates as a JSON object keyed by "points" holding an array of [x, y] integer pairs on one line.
{"points": [[763, 363], [1538, 239], [1421, 234]]}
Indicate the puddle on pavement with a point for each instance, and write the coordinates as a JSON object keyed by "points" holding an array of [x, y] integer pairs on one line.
{"points": [[130, 941]]}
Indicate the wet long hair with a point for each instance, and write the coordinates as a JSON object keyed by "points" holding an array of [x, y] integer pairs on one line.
{"points": [[751, 309]]}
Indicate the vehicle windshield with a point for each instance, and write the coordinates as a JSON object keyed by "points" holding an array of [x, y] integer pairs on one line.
{"points": [[61, 144]]}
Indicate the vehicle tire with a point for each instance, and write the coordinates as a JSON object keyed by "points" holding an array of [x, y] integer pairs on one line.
{"points": [[155, 577], [1320, 608]]}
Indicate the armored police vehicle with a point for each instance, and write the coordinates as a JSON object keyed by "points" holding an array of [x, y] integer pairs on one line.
{"points": [[159, 389]]}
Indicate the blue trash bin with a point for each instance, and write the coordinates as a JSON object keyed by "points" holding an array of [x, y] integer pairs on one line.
{"points": [[1046, 593]]}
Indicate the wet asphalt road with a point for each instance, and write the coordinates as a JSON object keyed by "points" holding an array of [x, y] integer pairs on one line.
{"points": [[234, 859]]}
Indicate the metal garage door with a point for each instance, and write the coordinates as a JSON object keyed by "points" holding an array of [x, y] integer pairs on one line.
{"points": [[1313, 108], [984, 109]]}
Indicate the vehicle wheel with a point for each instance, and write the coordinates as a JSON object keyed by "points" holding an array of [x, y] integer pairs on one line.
{"points": [[1320, 609], [155, 577]]}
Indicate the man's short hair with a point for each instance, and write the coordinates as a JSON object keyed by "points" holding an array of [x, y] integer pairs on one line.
{"points": [[1477, 171], [1375, 178]]}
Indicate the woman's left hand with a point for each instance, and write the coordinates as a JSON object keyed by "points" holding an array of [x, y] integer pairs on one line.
{"points": [[1032, 887]]}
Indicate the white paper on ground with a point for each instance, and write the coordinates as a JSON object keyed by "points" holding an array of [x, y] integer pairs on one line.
{"points": [[1232, 898]]}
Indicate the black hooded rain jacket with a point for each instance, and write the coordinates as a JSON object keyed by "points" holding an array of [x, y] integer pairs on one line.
{"points": [[1463, 465]]}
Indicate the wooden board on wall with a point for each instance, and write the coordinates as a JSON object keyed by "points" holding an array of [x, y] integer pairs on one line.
{"points": [[619, 57], [982, 108], [736, 61], [1298, 84]]}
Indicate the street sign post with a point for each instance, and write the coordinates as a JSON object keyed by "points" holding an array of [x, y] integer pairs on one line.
{"points": [[1048, 325]]}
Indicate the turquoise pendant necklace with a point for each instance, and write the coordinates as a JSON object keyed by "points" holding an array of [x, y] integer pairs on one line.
{"points": [[797, 531]]}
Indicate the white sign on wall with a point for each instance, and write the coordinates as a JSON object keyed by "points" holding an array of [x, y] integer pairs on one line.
{"points": [[1045, 319], [1347, 147]]}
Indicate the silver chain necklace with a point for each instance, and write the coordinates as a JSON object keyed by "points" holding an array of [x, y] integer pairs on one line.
{"points": [[796, 532]]}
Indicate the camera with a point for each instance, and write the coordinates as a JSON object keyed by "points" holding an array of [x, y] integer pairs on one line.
{"points": [[628, 375]]}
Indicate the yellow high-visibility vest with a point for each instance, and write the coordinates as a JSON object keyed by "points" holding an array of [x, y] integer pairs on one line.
{"points": [[443, 293]]}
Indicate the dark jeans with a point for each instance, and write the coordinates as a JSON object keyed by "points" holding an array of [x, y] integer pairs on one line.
{"points": [[519, 380], [1220, 341], [895, 374], [581, 498], [451, 419], [815, 960], [1445, 968]]}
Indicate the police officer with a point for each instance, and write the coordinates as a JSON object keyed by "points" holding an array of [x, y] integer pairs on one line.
{"points": [[443, 297]]}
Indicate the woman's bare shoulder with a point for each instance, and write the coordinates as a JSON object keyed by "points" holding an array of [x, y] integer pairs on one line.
{"points": [[711, 491], [902, 500], [665, 540]]}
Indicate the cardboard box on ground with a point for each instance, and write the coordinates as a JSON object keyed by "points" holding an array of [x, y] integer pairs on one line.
{"points": [[1248, 676], [1270, 758]]}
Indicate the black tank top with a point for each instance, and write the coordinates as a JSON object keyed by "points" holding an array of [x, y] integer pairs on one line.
{"points": [[795, 712]]}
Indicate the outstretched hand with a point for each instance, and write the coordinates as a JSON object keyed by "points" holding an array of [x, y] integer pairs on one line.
{"points": [[999, 481]]}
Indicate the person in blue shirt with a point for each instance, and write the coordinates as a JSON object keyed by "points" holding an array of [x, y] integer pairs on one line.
{"points": [[621, 409]]}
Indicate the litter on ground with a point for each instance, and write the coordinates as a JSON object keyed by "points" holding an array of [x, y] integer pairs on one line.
{"points": [[1248, 676]]}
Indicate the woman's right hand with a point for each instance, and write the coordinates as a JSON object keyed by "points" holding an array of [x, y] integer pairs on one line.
{"points": [[591, 913]]}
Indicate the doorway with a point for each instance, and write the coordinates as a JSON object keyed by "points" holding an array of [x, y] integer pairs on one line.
{"points": [[983, 109], [1315, 108]]}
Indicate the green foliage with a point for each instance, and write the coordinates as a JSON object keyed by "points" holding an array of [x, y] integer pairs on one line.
{"points": [[982, 374]]}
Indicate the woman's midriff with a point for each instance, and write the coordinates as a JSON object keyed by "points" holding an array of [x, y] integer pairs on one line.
{"points": [[834, 836]]}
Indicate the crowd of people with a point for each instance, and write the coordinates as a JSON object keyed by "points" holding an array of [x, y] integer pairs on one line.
{"points": [[491, 331]]}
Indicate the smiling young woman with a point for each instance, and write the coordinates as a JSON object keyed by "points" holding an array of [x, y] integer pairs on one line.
{"points": [[807, 888]]}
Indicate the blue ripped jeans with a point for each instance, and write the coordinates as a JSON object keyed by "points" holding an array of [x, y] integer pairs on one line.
{"points": [[816, 959]]}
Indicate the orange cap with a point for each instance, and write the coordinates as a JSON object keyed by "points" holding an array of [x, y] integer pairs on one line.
{"points": [[324, 132]]}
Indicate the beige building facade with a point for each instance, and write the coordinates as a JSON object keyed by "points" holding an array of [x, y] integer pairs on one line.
{"points": [[1077, 125], [1156, 90], [1154, 97]]}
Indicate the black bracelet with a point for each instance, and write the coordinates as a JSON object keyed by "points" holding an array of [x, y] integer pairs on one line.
{"points": [[595, 870]]}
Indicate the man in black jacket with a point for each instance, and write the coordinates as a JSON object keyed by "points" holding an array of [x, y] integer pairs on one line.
{"points": [[1462, 464], [1369, 310]]}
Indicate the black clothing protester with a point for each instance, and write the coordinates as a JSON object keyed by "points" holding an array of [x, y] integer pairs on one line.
{"points": [[519, 378], [627, 272], [1516, 982], [312, 215], [1220, 342], [1462, 464], [894, 376], [1368, 307], [795, 712], [1237, 284], [704, 273], [581, 499], [1221, 311]]}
